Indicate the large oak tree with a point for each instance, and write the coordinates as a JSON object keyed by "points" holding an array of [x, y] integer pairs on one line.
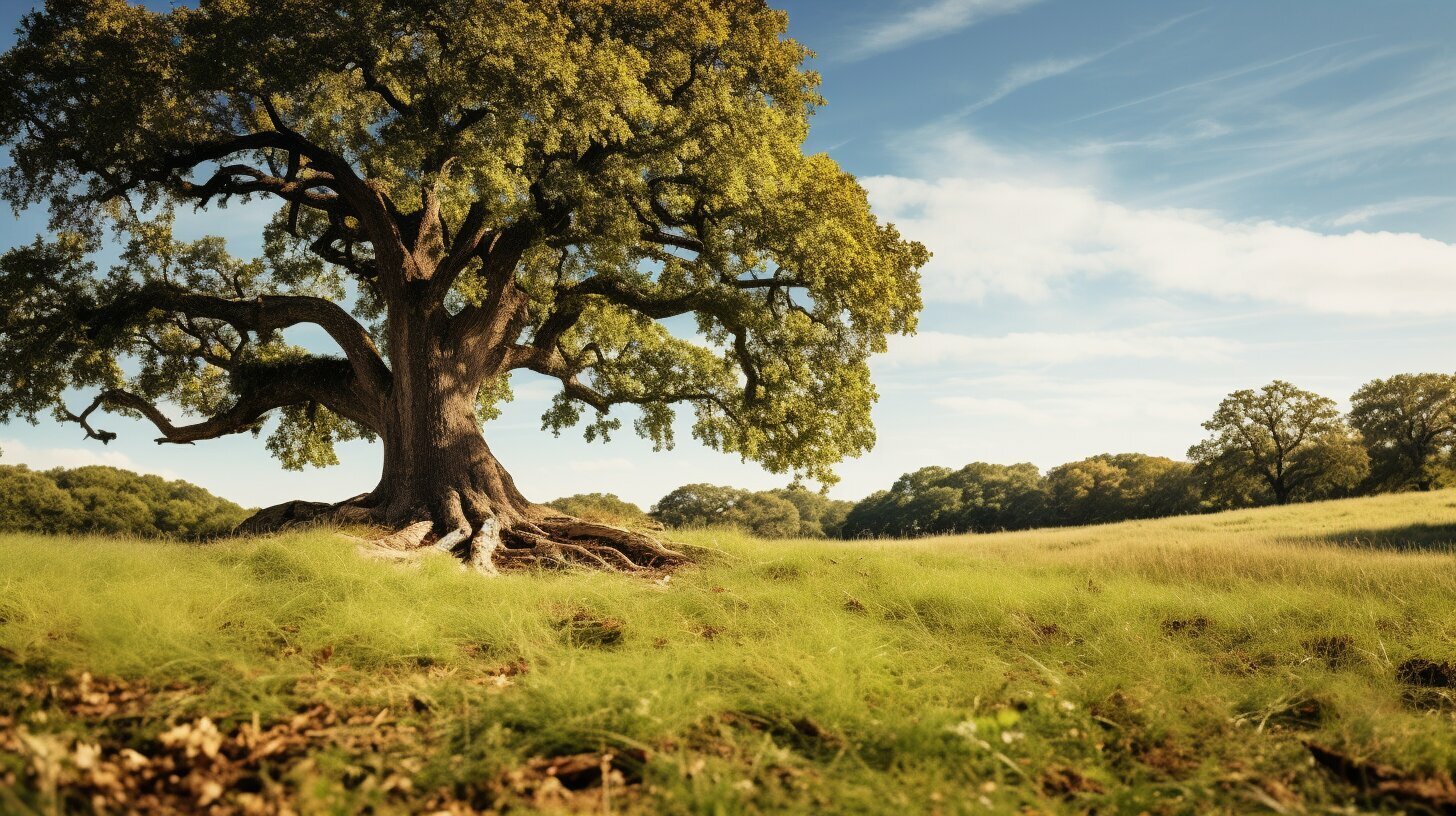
{"points": [[1408, 423], [1279, 444], [463, 189]]}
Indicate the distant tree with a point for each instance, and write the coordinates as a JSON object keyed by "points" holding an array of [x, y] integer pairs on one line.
{"points": [[697, 505], [980, 497], [1279, 444], [1409, 425], [703, 505], [110, 501], [31, 502], [605, 508], [819, 515], [1115, 487], [917, 504], [764, 515], [998, 497], [1086, 492]]}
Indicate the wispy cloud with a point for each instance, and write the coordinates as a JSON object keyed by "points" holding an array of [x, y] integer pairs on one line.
{"points": [[933, 348], [1022, 76], [1212, 80], [931, 21], [1336, 141], [1024, 236], [1384, 209]]}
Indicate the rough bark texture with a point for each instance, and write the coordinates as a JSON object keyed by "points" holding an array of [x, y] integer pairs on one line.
{"points": [[441, 486]]}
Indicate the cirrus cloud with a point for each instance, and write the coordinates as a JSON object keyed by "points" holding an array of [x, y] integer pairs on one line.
{"points": [[997, 229], [935, 348]]}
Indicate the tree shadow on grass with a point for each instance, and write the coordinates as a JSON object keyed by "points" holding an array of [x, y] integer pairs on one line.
{"points": [[1438, 538]]}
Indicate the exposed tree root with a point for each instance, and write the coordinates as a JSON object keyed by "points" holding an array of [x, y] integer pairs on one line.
{"points": [[541, 540]]}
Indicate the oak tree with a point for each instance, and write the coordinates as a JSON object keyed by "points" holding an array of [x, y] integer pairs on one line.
{"points": [[1409, 425], [609, 193], [1279, 444]]}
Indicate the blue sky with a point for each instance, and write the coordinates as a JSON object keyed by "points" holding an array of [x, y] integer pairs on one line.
{"points": [[1136, 207]]}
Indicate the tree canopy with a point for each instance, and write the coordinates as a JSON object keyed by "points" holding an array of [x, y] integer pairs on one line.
{"points": [[1280, 441], [604, 507], [608, 193], [1116, 487], [979, 497], [1409, 426], [105, 500]]}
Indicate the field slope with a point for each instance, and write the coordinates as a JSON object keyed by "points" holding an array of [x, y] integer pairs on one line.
{"points": [[1288, 660]]}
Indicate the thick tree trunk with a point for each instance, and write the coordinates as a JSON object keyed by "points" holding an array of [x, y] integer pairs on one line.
{"points": [[441, 484]]}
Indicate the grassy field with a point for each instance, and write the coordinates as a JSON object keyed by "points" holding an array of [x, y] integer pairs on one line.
{"points": [[1289, 660]]}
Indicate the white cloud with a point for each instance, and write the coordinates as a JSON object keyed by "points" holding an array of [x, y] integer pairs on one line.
{"points": [[1032, 401], [937, 19], [15, 452], [933, 348], [1366, 214], [996, 227]]}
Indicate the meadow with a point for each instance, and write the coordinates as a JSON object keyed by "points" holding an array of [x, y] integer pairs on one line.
{"points": [[1285, 660]]}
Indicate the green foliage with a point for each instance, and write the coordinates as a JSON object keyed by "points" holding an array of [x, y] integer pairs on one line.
{"points": [[819, 515], [767, 514], [978, 498], [606, 508], [32, 502], [1279, 444], [105, 500], [1117, 487], [1408, 423], [557, 176], [1171, 666]]}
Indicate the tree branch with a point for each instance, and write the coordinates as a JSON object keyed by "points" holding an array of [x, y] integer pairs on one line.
{"points": [[264, 314]]}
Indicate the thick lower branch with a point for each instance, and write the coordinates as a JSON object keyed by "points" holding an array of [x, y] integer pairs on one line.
{"points": [[264, 314], [282, 387]]}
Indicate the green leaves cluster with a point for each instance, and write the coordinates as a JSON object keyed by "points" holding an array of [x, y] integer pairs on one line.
{"points": [[1408, 422], [108, 501], [982, 497], [789, 512], [543, 184], [1279, 444]]}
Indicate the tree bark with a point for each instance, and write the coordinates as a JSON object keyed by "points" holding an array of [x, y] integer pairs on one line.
{"points": [[441, 484]]}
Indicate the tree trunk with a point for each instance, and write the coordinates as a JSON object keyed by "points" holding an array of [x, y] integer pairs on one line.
{"points": [[441, 485]]}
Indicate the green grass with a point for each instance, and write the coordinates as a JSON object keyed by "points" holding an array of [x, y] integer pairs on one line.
{"points": [[1178, 665]]}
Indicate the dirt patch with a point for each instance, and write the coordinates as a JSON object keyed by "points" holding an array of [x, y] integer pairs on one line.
{"points": [[1066, 782], [199, 766], [89, 698], [1427, 673], [1436, 792], [855, 605], [578, 783], [782, 572], [1298, 715], [1337, 651], [1042, 630], [1165, 755], [1187, 627]]}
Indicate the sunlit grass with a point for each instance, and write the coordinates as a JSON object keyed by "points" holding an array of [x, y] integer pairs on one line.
{"points": [[1174, 664]]}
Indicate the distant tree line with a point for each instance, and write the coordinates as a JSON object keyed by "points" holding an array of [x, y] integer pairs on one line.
{"points": [[110, 501], [786, 512], [1274, 445]]}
